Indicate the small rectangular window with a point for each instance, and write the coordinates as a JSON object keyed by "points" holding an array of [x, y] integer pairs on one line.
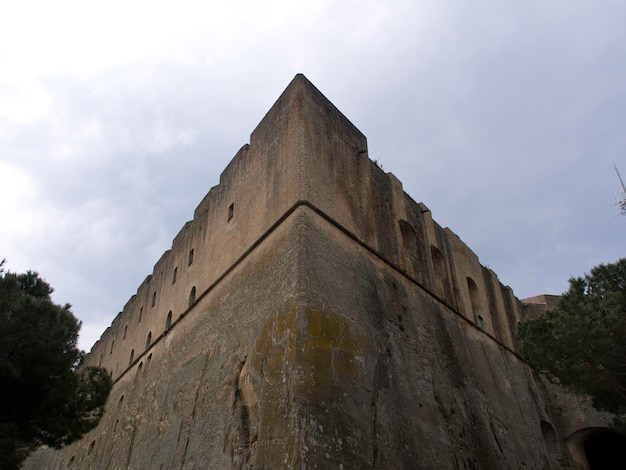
{"points": [[190, 257], [153, 299], [174, 275], [231, 211]]}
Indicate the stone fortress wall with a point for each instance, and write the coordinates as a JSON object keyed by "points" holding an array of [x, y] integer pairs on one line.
{"points": [[260, 186], [313, 315]]}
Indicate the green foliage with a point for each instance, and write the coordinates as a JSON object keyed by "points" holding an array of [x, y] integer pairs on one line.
{"points": [[44, 399], [582, 342]]}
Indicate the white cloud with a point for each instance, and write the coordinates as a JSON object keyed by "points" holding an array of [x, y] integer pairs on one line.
{"points": [[19, 198], [23, 100]]}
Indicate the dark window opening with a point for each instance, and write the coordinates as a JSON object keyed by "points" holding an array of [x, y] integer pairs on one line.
{"points": [[174, 275], [125, 331], [140, 314], [132, 356], [168, 320], [192, 296], [138, 374], [112, 344], [190, 257], [153, 299], [148, 361], [148, 339], [231, 211]]}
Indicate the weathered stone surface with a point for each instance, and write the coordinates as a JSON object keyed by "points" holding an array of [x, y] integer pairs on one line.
{"points": [[312, 315]]}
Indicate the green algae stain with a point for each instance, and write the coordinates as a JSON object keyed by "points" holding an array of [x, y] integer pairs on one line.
{"points": [[275, 342], [330, 354], [273, 362], [301, 358]]}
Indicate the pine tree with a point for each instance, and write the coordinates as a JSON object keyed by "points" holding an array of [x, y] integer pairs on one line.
{"points": [[45, 397]]}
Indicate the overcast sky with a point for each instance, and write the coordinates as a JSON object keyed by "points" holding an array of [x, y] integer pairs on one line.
{"points": [[117, 117]]}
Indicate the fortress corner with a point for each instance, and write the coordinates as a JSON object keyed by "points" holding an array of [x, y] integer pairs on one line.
{"points": [[313, 315]]}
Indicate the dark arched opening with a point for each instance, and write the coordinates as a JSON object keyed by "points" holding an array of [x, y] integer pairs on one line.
{"points": [[551, 440], [411, 249], [475, 302], [439, 269], [606, 450]]}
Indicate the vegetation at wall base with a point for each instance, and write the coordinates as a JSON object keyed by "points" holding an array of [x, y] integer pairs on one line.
{"points": [[46, 398], [582, 342]]}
